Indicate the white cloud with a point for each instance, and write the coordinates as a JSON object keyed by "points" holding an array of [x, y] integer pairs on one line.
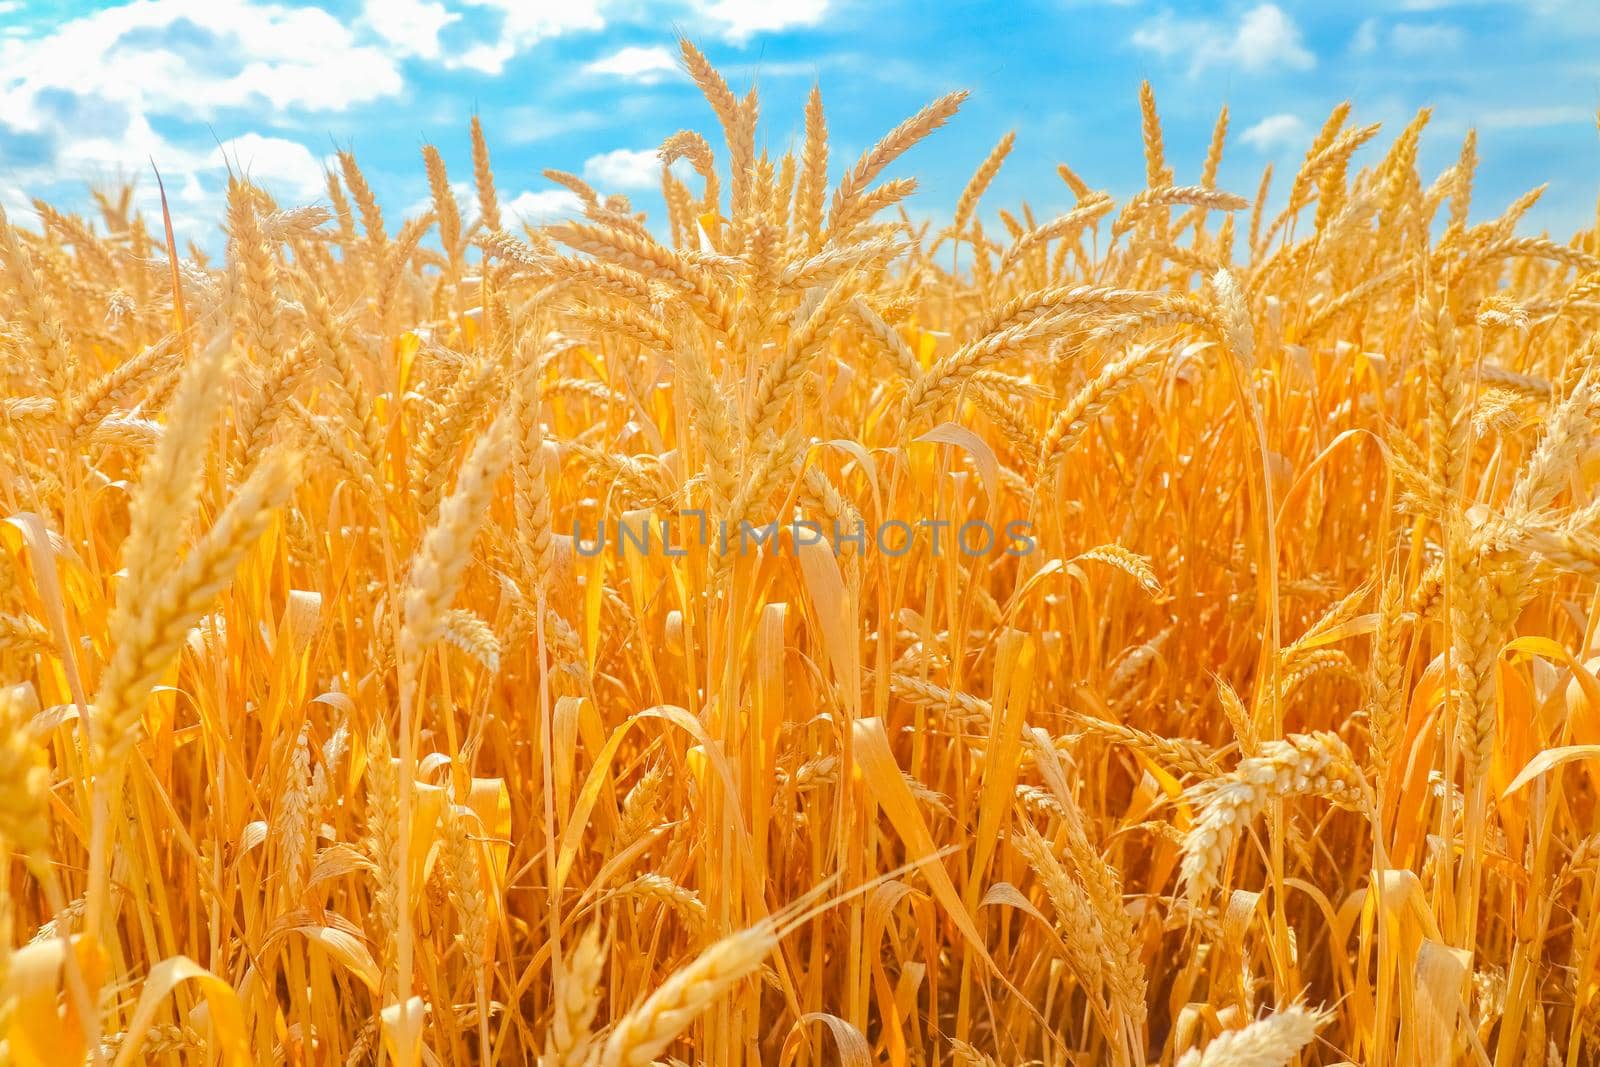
{"points": [[1276, 133], [278, 165], [14, 202], [188, 57], [132, 145], [196, 181], [524, 23], [1422, 39], [1265, 38], [411, 26], [624, 168], [461, 190], [544, 206], [636, 64], [739, 20], [1522, 118], [1164, 35], [1365, 41], [197, 184], [97, 97], [1409, 39]]}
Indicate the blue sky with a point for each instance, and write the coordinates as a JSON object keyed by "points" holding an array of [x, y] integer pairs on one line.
{"points": [[88, 92]]}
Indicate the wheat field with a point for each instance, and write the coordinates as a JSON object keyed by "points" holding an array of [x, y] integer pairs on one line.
{"points": [[370, 691]]}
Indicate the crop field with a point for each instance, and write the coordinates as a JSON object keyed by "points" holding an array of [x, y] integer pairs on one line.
{"points": [[794, 632]]}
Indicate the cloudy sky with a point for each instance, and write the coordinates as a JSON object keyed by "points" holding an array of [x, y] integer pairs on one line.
{"points": [[90, 92]]}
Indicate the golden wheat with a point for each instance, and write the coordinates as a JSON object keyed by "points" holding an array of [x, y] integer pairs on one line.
{"points": [[1001, 640]]}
